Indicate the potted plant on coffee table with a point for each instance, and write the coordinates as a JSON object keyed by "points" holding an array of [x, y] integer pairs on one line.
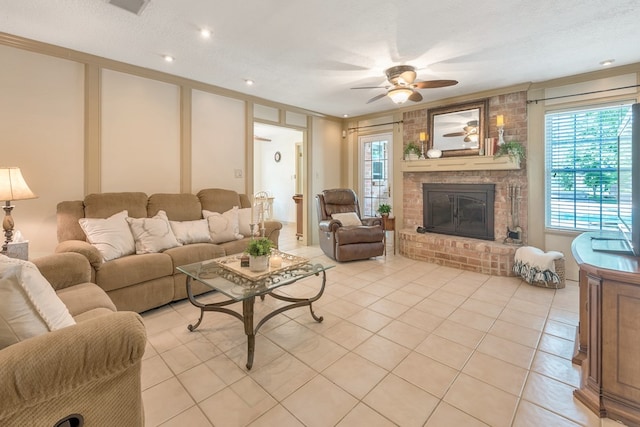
{"points": [[259, 250]]}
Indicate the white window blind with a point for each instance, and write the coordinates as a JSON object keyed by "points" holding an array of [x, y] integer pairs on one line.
{"points": [[581, 161]]}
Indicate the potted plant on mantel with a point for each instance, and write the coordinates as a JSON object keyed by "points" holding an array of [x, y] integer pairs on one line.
{"points": [[513, 149], [411, 151], [259, 250]]}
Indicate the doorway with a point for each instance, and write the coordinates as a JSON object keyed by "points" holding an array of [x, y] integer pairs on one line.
{"points": [[376, 172], [277, 151]]}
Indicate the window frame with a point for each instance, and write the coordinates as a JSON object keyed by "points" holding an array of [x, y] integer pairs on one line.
{"points": [[593, 104]]}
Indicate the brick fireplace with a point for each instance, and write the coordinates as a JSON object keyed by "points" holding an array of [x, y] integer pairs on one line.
{"points": [[486, 256]]}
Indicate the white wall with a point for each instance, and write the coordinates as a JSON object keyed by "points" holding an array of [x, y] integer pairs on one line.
{"points": [[278, 178], [325, 167], [218, 142], [140, 134], [42, 132], [141, 142]]}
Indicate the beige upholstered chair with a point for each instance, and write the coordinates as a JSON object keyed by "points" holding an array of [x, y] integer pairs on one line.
{"points": [[344, 234]]}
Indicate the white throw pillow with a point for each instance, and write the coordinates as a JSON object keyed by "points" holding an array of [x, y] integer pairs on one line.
{"points": [[152, 234], [28, 304], [111, 236], [191, 231], [244, 219], [347, 218], [223, 227]]}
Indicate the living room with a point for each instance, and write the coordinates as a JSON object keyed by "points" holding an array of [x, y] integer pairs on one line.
{"points": [[78, 123]]}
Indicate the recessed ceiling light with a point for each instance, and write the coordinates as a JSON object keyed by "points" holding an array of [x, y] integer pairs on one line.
{"points": [[249, 82], [345, 115], [205, 33], [607, 62], [169, 58]]}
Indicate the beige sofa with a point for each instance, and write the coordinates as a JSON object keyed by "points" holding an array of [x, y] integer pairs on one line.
{"points": [[91, 368], [142, 282]]}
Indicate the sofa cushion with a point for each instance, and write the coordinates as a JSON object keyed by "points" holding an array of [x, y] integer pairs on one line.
{"points": [[218, 200], [28, 304], [133, 269], [84, 297], [178, 206], [194, 253], [111, 236], [152, 234], [223, 227], [244, 221], [188, 232], [103, 205]]}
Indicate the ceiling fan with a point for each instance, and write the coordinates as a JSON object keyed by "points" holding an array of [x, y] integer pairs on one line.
{"points": [[470, 132], [403, 85]]}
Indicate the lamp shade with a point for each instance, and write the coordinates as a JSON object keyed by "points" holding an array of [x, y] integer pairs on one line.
{"points": [[13, 185], [399, 95]]}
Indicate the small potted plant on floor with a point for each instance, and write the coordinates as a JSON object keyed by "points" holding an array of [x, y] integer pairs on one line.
{"points": [[259, 250]]}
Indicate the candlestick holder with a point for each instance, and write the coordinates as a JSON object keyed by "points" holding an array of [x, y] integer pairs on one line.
{"points": [[501, 135], [422, 149]]}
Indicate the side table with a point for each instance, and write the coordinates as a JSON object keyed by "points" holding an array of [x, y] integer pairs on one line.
{"points": [[389, 224]]}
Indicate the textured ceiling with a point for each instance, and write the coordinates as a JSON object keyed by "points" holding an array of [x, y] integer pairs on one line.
{"points": [[310, 53]]}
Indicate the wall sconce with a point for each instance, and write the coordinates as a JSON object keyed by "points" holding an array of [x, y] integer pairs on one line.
{"points": [[12, 187], [500, 124]]}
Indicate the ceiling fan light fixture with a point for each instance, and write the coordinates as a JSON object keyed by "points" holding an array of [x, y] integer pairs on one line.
{"points": [[400, 95]]}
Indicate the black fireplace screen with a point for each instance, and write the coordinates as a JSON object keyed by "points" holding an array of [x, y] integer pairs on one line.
{"points": [[459, 209]]}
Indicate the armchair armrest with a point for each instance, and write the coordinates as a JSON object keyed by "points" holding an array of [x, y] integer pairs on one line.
{"points": [[91, 368], [329, 225], [370, 221], [64, 269], [272, 231], [84, 248]]}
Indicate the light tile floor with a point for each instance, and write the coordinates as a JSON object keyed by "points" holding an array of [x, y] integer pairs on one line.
{"points": [[402, 343]]}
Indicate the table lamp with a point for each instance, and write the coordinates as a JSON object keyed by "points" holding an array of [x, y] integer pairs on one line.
{"points": [[12, 187]]}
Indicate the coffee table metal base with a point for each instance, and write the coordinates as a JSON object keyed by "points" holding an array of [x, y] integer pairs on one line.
{"points": [[247, 312]]}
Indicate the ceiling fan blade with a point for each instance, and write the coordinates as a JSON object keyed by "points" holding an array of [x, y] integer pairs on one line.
{"points": [[432, 84], [375, 98], [454, 134], [415, 96], [371, 87]]}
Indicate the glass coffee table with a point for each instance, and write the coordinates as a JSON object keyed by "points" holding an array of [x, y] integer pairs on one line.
{"points": [[239, 284]]}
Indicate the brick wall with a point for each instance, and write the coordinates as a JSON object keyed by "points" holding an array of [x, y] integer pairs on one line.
{"points": [[513, 107], [470, 254]]}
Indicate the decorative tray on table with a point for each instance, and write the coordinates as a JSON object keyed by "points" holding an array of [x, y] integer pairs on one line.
{"points": [[231, 263]]}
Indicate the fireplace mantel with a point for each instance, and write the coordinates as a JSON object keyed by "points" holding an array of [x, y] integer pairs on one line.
{"points": [[466, 163]]}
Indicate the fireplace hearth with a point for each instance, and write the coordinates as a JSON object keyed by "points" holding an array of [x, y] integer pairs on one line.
{"points": [[465, 210]]}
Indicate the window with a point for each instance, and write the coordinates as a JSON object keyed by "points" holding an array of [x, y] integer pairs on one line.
{"points": [[582, 167]]}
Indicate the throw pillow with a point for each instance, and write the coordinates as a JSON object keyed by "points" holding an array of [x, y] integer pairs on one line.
{"points": [[28, 304], [347, 218], [244, 219], [191, 231], [152, 234], [111, 236], [223, 227]]}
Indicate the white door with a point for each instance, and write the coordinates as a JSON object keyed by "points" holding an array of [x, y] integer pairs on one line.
{"points": [[376, 173]]}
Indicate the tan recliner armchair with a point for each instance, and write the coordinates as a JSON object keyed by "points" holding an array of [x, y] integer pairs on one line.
{"points": [[347, 242]]}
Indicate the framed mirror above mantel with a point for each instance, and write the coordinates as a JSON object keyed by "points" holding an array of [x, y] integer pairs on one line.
{"points": [[458, 130]]}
